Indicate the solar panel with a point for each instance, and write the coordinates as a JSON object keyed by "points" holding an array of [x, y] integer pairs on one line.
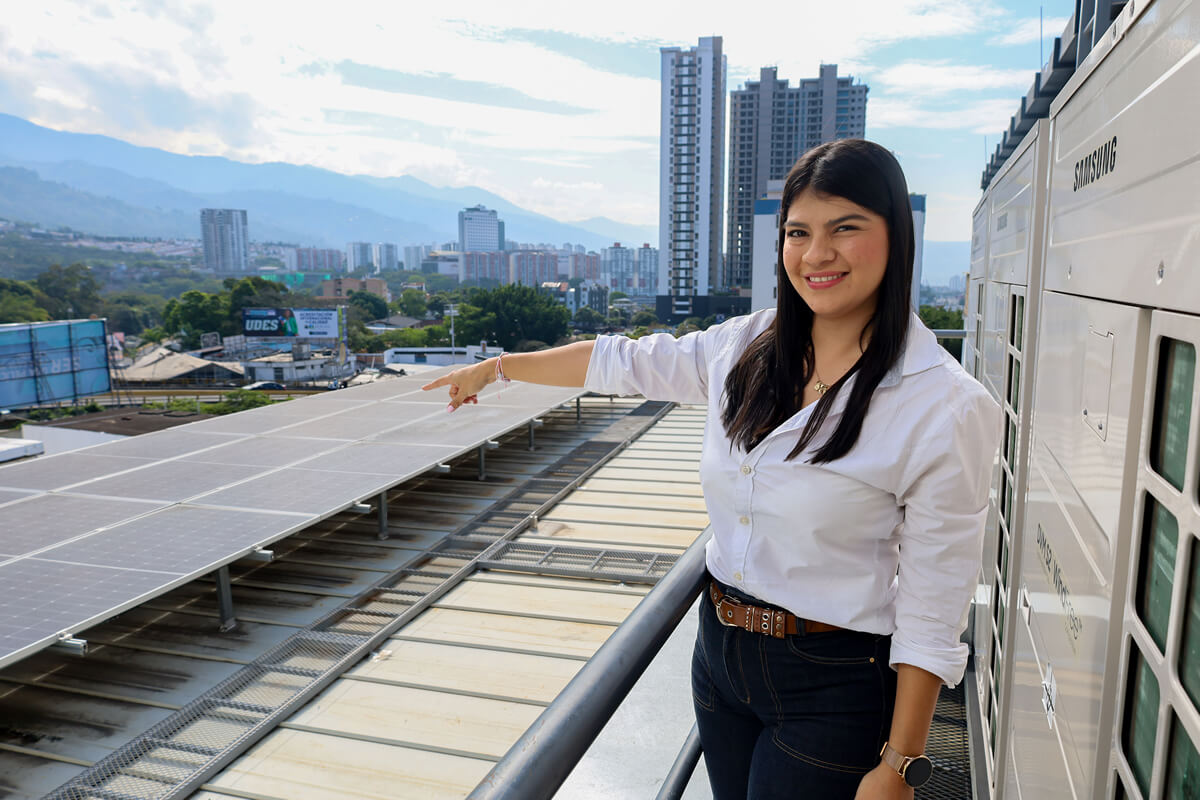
{"points": [[42, 598], [59, 471], [88, 534], [45, 520], [175, 538]]}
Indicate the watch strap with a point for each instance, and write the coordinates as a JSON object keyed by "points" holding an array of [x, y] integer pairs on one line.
{"points": [[900, 763]]}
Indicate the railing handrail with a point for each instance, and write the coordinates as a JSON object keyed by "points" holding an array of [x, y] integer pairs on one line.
{"points": [[535, 767]]}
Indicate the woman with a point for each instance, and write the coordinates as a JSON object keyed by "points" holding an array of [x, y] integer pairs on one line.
{"points": [[845, 469]]}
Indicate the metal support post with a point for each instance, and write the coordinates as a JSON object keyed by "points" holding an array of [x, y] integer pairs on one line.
{"points": [[225, 600], [482, 462], [533, 423], [578, 412], [383, 511]]}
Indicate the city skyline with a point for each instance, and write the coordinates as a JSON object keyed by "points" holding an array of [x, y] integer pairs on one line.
{"points": [[551, 110]]}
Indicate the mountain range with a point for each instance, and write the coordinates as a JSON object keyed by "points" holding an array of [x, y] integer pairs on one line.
{"points": [[108, 187]]}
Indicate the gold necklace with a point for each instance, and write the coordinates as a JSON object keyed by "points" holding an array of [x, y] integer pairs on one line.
{"points": [[820, 387]]}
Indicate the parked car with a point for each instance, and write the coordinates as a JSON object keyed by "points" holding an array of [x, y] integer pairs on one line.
{"points": [[271, 386]]}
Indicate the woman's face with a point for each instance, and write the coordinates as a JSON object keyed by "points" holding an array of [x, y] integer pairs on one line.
{"points": [[835, 253]]}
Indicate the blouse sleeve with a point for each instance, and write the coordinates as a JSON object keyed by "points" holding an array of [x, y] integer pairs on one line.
{"points": [[659, 366], [941, 539]]}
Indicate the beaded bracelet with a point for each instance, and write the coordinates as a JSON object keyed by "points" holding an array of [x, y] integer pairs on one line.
{"points": [[500, 376]]}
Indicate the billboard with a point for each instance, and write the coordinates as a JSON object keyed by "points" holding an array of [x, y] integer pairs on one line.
{"points": [[294, 323], [51, 362]]}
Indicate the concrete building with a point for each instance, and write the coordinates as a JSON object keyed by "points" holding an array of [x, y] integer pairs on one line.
{"points": [[532, 267], [645, 267], [692, 174], [342, 287], [917, 201], [483, 268], [360, 255], [387, 256], [771, 124], [617, 268], [314, 259], [479, 229], [764, 281], [585, 265], [414, 255], [226, 237]]}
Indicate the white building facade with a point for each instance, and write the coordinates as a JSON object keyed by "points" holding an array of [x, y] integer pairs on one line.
{"points": [[480, 230], [226, 236], [387, 256], [692, 171], [359, 255]]}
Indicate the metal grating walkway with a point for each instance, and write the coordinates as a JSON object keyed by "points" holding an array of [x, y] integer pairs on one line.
{"points": [[948, 749]]}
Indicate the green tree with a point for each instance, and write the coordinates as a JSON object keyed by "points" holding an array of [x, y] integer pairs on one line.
{"points": [[520, 313], [20, 308], [195, 313], [938, 318], [73, 292], [687, 326], [373, 306], [588, 319], [405, 337], [412, 303], [708, 322], [646, 318], [617, 296], [254, 292]]}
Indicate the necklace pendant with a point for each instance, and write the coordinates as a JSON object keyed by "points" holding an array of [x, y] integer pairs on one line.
{"points": [[820, 387]]}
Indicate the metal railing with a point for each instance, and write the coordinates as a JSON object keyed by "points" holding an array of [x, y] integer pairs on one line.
{"points": [[535, 767]]}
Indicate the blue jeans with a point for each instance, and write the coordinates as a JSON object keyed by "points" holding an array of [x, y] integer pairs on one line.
{"points": [[799, 717]]}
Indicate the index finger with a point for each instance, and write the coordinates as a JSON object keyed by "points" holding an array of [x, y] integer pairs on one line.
{"points": [[442, 381]]}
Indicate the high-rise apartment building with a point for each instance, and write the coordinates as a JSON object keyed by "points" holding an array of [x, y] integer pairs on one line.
{"points": [[917, 201], [645, 267], [771, 125], [617, 268], [479, 229], [226, 238], [532, 267], [692, 174], [387, 256], [414, 255], [359, 255], [313, 259]]}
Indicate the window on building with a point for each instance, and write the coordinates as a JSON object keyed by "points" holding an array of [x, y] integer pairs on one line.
{"points": [[1156, 569]]}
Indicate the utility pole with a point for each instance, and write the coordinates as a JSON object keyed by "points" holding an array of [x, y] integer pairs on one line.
{"points": [[452, 312]]}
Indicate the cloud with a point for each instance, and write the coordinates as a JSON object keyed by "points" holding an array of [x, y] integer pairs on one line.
{"points": [[1029, 31], [916, 78], [976, 116], [585, 186], [406, 88], [448, 87]]}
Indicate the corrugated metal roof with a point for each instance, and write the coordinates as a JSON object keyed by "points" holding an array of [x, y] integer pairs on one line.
{"points": [[429, 712]]}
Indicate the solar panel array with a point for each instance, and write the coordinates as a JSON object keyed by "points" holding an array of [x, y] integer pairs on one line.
{"points": [[88, 534]]}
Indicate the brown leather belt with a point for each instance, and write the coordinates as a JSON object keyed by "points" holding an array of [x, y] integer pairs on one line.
{"points": [[756, 619]]}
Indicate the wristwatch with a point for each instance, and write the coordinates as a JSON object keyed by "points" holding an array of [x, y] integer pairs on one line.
{"points": [[914, 770]]}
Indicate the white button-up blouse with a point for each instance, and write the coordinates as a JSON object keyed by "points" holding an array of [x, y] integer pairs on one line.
{"points": [[887, 538]]}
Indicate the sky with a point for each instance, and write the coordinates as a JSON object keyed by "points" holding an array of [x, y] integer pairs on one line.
{"points": [[552, 105]]}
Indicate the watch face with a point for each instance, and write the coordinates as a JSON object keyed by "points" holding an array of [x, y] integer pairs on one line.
{"points": [[920, 769]]}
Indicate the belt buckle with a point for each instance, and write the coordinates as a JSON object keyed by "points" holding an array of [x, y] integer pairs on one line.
{"points": [[725, 615]]}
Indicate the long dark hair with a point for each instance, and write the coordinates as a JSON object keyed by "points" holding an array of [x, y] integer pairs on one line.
{"points": [[766, 385]]}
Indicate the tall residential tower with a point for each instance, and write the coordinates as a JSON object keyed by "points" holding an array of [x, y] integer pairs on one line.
{"points": [[771, 125], [692, 174], [226, 239]]}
